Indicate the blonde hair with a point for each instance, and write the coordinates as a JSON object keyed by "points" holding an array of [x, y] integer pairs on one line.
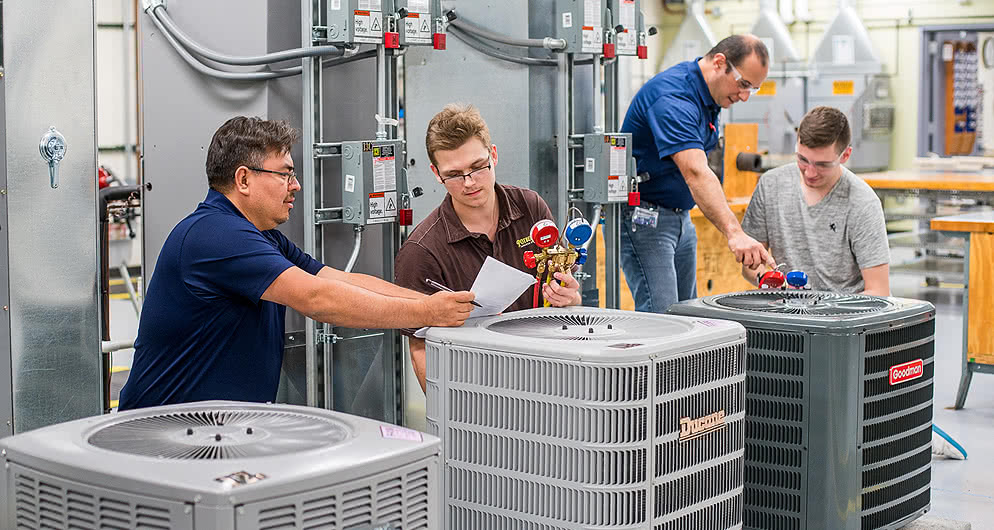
{"points": [[454, 126]]}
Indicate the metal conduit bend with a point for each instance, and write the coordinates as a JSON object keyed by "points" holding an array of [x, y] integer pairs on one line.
{"points": [[159, 12], [548, 43], [487, 49], [356, 245], [221, 74]]}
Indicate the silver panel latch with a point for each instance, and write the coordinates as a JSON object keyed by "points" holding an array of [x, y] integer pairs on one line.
{"points": [[53, 150]]}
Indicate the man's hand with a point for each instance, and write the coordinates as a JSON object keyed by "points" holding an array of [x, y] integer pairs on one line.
{"points": [[751, 273], [748, 251], [448, 309], [562, 295]]}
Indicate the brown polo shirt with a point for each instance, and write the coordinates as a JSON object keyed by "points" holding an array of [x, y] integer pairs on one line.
{"points": [[442, 249]]}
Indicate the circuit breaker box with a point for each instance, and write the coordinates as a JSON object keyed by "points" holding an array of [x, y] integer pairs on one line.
{"points": [[421, 20], [357, 21], [608, 167], [626, 23], [581, 24], [373, 176]]}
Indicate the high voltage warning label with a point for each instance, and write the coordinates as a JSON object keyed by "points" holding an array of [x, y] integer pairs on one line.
{"points": [[367, 26]]}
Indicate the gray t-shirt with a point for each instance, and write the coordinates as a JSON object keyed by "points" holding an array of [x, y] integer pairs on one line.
{"points": [[830, 241]]}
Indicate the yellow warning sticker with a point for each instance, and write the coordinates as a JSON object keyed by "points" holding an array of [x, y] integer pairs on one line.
{"points": [[768, 88], [842, 88]]}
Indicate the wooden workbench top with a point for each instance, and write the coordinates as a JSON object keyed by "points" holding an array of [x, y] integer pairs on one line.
{"points": [[967, 222], [929, 180]]}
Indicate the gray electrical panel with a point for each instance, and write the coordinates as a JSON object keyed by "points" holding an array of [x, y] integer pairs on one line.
{"points": [[608, 167], [581, 24], [421, 20], [626, 22], [357, 21], [372, 175]]}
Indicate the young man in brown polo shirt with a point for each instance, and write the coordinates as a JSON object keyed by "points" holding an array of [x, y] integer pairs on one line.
{"points": [[477, 218]]}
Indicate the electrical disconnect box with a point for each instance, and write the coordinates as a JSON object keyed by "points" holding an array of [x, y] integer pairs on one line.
{"points": [[608, 167], [420, 21], [373, 177], [581, 24], [357, 21], [627, 25]]}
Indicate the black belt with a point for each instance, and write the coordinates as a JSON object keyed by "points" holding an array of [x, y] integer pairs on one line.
{"points": [[652, 204]]}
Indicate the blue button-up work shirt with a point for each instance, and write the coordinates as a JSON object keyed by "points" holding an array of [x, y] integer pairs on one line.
{"points": [[672, 112]]}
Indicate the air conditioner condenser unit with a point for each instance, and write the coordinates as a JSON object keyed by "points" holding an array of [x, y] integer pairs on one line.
{"points": [[582, 418], [220, 465], [838, 406]]}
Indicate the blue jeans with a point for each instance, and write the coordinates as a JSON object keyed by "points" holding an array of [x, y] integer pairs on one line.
{"points": [[660, 264]]}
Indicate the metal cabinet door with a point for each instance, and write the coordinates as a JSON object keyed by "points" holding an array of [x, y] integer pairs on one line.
{"points": [[50, 339]]}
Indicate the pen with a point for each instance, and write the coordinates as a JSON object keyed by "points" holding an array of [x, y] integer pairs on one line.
{"points": [[441, 287]]}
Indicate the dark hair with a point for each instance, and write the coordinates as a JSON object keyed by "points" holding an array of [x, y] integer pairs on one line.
{"points": [[823, 126], [736, 48], [244, 141], [453, 126]]}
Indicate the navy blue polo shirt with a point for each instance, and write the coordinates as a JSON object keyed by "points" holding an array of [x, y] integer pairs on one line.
{"points": [[204, 331], [672, 112]]}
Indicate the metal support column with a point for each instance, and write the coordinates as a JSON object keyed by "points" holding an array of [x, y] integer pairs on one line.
{"points": [[311, 76], [564, 131], [612, 212]]}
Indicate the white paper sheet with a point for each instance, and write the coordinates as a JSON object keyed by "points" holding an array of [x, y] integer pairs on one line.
{"points": [[496, 287]]}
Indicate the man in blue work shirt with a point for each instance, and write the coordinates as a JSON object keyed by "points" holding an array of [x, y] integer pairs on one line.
{"points": [[212, 324], [674, 123]]}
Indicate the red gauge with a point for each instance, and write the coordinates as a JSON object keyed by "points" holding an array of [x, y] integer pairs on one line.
{"points": [[544, 233], [772, 279]]}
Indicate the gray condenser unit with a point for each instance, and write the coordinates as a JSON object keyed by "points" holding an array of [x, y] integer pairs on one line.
{"points": [[220, 465], [582, 418], [838, 407]]}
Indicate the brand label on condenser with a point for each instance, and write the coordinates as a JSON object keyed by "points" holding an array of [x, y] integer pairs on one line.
{"points": [[693, 428], [906, 372]]}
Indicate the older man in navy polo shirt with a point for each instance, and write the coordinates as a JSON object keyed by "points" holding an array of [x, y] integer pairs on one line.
{"points": [[674, 123], [213, 321]]}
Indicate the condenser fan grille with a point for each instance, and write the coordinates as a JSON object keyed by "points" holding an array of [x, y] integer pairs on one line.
{"points": [[582, 327], [217, 434], [804, 303]]}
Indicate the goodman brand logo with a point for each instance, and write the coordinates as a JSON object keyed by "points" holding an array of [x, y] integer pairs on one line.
{"points": [[906, 372], [693, 428]]}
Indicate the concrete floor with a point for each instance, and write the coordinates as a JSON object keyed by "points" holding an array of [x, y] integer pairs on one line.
{"points": [[961, 490]]}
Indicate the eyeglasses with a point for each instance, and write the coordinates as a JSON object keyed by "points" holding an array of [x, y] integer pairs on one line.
{"points": [[287, 176], [803, 163], [474, 173], [743, 83]]}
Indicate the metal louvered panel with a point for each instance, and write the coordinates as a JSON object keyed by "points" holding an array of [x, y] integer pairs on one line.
{"points": [[896, 425], [573, 506], [547, 459], [395, 499], [527, 415], [44, 501], [896, 337], [722, 515], [607, 384], [776, 429], [462, 517], [699, 487]]}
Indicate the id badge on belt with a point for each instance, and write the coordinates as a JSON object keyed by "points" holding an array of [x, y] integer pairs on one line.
{"points": [[644, 217]]}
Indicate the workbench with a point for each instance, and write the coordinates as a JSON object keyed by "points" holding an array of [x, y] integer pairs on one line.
{"points": [[978, 295], [939, 193]]}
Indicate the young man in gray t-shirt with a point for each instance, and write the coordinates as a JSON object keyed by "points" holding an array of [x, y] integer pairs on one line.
{"points": [[818, 217]]}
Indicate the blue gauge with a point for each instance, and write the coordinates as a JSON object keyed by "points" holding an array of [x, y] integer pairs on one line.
{"points": [[578, 231], [797, 279]]}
